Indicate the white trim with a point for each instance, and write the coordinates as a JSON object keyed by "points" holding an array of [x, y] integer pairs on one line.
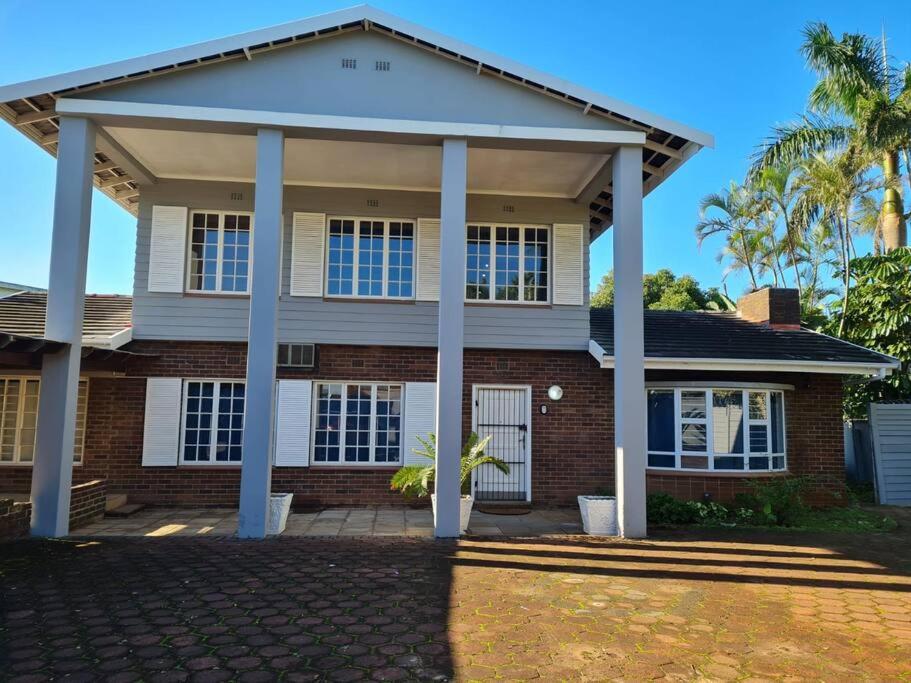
{"points": [[188, 259], [527, 388], [356, 252], [112, 342], [362, 13], [720, 385], [359, 124], [492, 271]]}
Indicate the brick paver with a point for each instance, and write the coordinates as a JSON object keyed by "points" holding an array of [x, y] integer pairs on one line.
{"points": [[704, 606]]}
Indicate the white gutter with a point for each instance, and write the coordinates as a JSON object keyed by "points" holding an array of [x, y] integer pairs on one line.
{"points": [[112, 342]]}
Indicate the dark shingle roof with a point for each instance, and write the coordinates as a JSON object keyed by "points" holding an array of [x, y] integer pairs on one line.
{"points": [[706, 334], [105, 314]]}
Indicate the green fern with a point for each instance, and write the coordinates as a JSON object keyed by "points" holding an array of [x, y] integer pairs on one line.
{"points": [[417, 480]]}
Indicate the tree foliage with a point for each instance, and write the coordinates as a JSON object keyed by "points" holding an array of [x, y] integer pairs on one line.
{"points": [[878, 317], [666, 292]]}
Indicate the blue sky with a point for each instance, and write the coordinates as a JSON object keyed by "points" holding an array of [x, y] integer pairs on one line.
{"points": [[729, 68]]}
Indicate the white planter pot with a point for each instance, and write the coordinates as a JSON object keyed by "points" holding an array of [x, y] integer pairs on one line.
{"points": [[465, 505], [599, 515], [279, 507]]}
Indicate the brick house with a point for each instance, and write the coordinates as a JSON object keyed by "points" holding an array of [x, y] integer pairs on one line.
{"points": [[420, 213]]}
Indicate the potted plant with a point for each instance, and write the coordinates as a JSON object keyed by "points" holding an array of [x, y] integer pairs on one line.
{"points": [[417, 480], [599, 514]]}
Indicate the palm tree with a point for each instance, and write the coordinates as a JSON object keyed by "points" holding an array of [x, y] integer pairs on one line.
{"points": [[859, 103], [732, 213], [776, 185]]}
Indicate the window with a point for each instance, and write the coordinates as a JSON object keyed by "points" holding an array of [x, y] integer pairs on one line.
{"points": [[719, 429], [219, 252], [358, 424], [296, 355], [19, 419], [213, 422], [370, 257], [507, 263]]}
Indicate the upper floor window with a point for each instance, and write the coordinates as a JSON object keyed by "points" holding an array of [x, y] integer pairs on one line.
{"points": [[19, 419], [507, 263], [219, 252], [370, 257], [716, 429]]}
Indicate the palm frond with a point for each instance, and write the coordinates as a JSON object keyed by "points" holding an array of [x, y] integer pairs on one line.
{"points": [[794, 142]]}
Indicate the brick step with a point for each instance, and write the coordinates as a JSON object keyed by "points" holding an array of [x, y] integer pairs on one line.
{"points": [[124, 510], [112, 501]]}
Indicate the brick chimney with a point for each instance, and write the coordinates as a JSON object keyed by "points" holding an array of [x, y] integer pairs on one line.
{"points": [[778, 308]]}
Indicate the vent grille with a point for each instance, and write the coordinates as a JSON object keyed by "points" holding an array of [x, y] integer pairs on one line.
{"points": [[296, 355], [349, 63], [382, 65]]}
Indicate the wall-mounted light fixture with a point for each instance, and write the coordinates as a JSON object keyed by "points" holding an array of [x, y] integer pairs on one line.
{"points": [[555, 393]]}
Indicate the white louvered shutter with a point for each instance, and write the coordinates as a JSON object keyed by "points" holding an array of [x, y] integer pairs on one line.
{"points": [[292, 423], [428, 262], [308, 235], [161, 433], [420, 418], [167, 248], [569, 264]]}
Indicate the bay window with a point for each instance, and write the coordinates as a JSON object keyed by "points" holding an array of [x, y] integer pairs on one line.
{"points": [[370, 257], [358, 424], [213, 422], [720, 429], [507, 263], [19, 419], [219, 252]]}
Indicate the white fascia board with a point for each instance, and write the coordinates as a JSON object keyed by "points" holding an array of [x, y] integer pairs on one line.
{"points": [[598, 353], [111, 342], [240, 41], [109, 108], [746, 365]]}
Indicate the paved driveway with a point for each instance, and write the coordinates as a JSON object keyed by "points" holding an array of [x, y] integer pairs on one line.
{"points": [[683, 606]]}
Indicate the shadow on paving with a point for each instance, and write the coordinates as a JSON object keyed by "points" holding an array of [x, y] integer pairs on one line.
{"points": [[222, 609]]}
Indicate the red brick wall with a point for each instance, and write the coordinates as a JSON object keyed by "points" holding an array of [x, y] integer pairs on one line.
{"points": [[572, 445], [87, 502], [15, 519]]}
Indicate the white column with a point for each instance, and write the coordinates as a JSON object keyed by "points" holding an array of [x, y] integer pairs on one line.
{"points": [[629, 363], [256, 472], [451, 336], [52, 472]]}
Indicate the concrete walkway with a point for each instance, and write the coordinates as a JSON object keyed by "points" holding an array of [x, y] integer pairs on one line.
{"points": [[375, 521]]}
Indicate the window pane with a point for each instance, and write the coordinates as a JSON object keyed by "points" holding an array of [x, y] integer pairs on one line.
{"points": [[758, 408], [400, 275], [357, 422], [328, 423], [693, 437], [761, 463], [370, 258], [694, 462], [727, 421], [729, 463], [341, 257], [777, 400], [81, 413], [661, 460], [9, 410], [778, 462], [661, 421], [388, 423], [759, 438], [230, 428], [198, 415], [204, 251], [507, 264], [692, 404], [535, 265], [477, 273], [235, 253]]}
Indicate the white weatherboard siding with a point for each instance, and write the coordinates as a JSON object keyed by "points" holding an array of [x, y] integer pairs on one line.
{"points": [[323, 320], [161, 432], [420, 419], [167, 248], [891, 425], [292, 423]]}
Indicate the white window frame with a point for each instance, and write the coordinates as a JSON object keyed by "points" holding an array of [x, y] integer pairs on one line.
{"points": [[356, 251], [81, 425], [314, 421], [220, 254], [213, 441], [493, 263], [710, 453]]}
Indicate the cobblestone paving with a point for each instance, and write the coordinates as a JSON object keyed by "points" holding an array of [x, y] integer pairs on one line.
{"points": [[680, 606]]}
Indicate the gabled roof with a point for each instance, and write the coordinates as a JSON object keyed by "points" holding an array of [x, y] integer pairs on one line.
{"points": [[712, 338], [107, 322], [30, 105]]}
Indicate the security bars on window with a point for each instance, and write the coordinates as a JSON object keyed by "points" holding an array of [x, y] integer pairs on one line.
{"points": [[727, 430], [507, 263], [19, 420], [213, 422], [219, 260], [358, 424], [370, 257]]}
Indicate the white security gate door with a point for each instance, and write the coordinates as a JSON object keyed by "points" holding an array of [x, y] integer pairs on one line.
{"points": [[503, 414]]}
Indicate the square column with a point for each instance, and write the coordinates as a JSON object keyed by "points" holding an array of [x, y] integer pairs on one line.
{"points": [[451, 336], [629, 343], [52, 471], [262, 340]]}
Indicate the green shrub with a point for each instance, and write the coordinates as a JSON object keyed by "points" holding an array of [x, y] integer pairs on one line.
{"points": [[779, 502], [664, 509]]}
